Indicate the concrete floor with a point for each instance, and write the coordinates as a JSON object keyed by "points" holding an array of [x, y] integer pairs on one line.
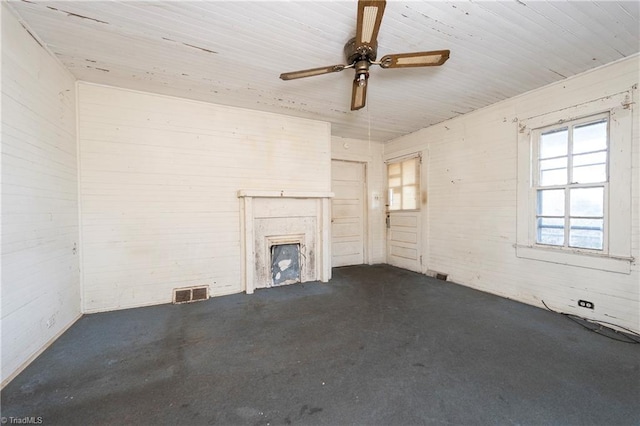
{"points": [[377, 345]]}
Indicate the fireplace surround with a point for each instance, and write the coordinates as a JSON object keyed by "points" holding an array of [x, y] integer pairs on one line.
{"points": [[269, 218]]}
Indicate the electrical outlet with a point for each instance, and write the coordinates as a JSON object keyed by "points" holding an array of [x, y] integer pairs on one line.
{"points": [[585, 304]]}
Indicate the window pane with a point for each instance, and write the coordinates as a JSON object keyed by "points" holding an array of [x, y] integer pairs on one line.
{"points": [[394, 182], [586, 233], [409, 172], [555, 163], [551, 202], [395, 199], [403, 181], [590, 137], [589, 159], [587, 202], [553, 172], [554, 143], [589, 168], [550, 231], [590, 174], [553, 177], [409, 201], [394, 169]]}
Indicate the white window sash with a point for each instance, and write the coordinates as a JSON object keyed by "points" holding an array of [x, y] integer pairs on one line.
{"points": [[535, 177]]}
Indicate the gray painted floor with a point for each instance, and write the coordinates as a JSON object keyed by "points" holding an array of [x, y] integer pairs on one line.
{"points": [[377, 345]]}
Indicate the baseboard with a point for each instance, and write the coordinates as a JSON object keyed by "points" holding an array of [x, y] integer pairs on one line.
{"points": [[38, 352], [212, 294]]}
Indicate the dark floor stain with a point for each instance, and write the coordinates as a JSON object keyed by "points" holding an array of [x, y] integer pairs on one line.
{"points": [[310, 411], [418, 364]]}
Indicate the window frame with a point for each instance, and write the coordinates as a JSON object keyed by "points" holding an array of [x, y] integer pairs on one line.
{"points": [[616, 253], [567, 187], [418, 183]]}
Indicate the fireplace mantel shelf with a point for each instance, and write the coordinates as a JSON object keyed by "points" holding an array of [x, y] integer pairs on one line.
{"points": [[248, 193]]}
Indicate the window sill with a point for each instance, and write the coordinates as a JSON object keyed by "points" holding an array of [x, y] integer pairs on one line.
{"points": [[601, 262]]}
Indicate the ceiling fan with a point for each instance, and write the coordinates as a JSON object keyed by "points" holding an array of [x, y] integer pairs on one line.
{"points": [[360, 53]]}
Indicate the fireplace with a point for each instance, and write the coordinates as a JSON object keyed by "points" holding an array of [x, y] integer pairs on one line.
{"points": [[285, 264], [296, 225]]}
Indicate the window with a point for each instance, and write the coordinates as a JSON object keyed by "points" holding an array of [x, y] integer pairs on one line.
{"points": [[571, 183], [574, 185], [403, 180]]}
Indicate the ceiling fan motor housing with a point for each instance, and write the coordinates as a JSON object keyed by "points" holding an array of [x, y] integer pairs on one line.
{"points": [[366, 52]]}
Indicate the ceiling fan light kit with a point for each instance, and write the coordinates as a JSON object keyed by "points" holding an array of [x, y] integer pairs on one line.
{"points": [[360, 53], [359, 94]]}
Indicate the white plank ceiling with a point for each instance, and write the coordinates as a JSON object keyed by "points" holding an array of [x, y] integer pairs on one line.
{"points": [[232, 52]]}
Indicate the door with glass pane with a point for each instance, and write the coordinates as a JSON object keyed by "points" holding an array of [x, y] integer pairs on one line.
{"points": [[403, 213]]}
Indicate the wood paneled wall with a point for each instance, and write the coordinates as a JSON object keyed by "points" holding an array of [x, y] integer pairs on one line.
{"points": [[159, 183], [40, 246], [469, 223]]}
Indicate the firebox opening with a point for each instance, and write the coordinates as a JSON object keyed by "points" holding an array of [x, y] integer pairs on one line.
{"points": [[285, 264]]}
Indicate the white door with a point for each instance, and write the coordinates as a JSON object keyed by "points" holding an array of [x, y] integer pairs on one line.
{"points": [[403, 217], [347, 213]]}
